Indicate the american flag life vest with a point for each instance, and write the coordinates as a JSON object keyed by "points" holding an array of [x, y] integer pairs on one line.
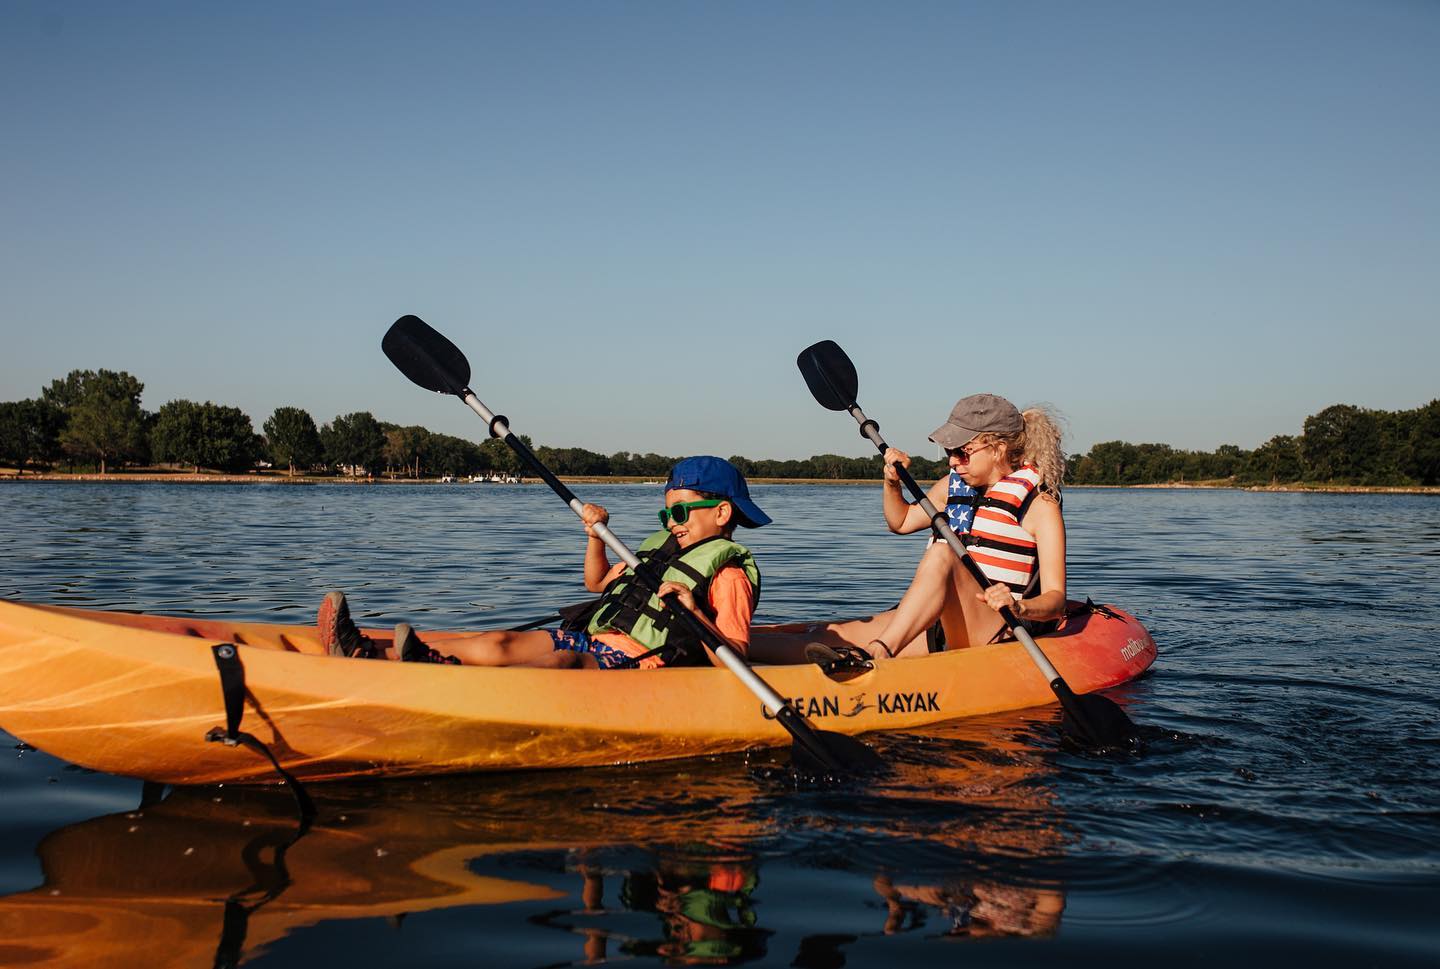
{"points": [[960, 501], [1004, 551]]}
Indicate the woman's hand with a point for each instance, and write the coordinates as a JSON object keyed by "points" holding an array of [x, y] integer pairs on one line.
{"points": [[682, 594], [593, 515], [892, 457], [998, 596]]}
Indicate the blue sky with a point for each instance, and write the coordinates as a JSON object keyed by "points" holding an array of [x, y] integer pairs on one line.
{"points": [[1190, 223]]}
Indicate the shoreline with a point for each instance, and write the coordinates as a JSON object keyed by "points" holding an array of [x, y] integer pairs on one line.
{"points": [[151, 477]]}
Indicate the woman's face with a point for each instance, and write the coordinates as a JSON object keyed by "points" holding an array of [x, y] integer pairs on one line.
{"points": [[979, 462]]}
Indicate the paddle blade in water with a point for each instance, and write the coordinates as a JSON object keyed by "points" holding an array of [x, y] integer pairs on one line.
{"points": [[829, 374], [823, 752], [421, 353], [1097, 723]]}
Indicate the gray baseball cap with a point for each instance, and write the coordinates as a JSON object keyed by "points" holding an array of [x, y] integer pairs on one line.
{"points": [[978, 414]]}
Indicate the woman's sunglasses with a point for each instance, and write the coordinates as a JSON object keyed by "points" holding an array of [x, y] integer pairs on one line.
{"points": [[962, 455], [680, 511]]}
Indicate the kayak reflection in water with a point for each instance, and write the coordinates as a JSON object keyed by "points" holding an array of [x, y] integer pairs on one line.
{"points": [[1014, 463], [628, 627]]}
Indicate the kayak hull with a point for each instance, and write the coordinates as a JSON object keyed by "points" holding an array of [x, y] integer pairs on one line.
{"points": [[136, 695]]}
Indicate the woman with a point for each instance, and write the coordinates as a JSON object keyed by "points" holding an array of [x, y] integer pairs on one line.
{"points": [[1017, 538]]}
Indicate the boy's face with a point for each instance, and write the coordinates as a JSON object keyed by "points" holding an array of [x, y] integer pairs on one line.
{"points": [[700, 523]]}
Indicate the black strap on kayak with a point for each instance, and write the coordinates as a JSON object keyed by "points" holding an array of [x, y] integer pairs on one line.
{"points": [[232, 688]]}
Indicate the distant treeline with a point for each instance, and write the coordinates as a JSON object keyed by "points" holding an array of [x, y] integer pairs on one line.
{"points": [[93, 419], [1340, 445]]}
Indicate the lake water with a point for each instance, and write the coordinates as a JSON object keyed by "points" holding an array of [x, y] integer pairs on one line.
{"points": [[1283, 812]]}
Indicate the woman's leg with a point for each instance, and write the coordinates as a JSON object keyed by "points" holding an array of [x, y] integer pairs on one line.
{"points": [[942, 589]]}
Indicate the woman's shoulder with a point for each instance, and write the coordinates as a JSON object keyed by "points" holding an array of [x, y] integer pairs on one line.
{"points": [[1044, 506]]}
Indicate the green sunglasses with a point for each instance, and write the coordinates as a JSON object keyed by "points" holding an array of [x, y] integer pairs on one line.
{"points": [[680, 511]]}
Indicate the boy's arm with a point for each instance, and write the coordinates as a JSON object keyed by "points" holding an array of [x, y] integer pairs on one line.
{"points": [[597, 563], [732, 599]]}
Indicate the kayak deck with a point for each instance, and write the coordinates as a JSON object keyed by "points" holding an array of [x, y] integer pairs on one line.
{"points": [[135, 695]]}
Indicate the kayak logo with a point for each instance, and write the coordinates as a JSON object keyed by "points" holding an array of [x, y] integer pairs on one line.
{"points": [[829, 706], [1133, 648]]}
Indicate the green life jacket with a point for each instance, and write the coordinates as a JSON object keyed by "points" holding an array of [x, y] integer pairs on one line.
{"points": [[628, 606]]}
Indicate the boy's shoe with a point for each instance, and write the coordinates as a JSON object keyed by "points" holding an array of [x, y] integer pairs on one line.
{"points": [[338, 632], [411, 650]]}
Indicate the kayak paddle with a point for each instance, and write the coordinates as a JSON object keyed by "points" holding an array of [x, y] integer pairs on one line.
{"points": [[432, 361], [1089, 719]]}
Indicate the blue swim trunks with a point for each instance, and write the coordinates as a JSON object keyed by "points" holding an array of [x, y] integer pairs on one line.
{"points": [[579, 641]]}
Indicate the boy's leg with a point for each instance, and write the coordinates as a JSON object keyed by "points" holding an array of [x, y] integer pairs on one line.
{"points": [[504, 648]]}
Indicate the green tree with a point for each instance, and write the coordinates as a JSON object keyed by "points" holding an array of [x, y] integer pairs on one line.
{"points": [[454, 455], [499, 457], [177, 434], [205, 435], [353, 441], [405, 447], [30, 432], [292, 438], [1423, 444], [1111, 462], [1340, 443], [229, 440], [1275, 461], [103, 420]]}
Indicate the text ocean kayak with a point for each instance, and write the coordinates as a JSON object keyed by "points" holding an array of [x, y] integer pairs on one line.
{"points": [[136, 695]]}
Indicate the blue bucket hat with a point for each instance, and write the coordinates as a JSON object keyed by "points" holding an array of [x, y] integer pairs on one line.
{"points": [[706, 472]]}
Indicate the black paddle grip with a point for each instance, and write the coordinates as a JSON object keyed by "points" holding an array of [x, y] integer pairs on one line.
{"points": [[533, 463]]}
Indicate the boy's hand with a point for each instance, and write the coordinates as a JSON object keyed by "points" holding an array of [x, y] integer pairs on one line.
{"points": [[593, 515], [682, 594]]}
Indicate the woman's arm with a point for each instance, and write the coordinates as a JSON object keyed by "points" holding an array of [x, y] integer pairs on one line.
{"points": [[1045, 522], [900, 516]]}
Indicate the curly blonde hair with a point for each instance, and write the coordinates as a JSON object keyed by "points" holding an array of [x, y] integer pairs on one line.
{"points": [[1038, 444]]}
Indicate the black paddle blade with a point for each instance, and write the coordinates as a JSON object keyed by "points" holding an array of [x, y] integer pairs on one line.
{"points": [[421, 353], [834, 753], [1097, 723], [823, 752], [829, 374]]}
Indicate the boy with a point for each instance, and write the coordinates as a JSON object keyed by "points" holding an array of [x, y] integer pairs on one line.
{"points": [[627, 627]]}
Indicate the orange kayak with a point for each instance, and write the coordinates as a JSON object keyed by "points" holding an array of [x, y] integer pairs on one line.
{"points": [[135, 695]]}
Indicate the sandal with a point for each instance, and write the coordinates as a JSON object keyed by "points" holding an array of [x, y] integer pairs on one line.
{"points": [[838, 659]]}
